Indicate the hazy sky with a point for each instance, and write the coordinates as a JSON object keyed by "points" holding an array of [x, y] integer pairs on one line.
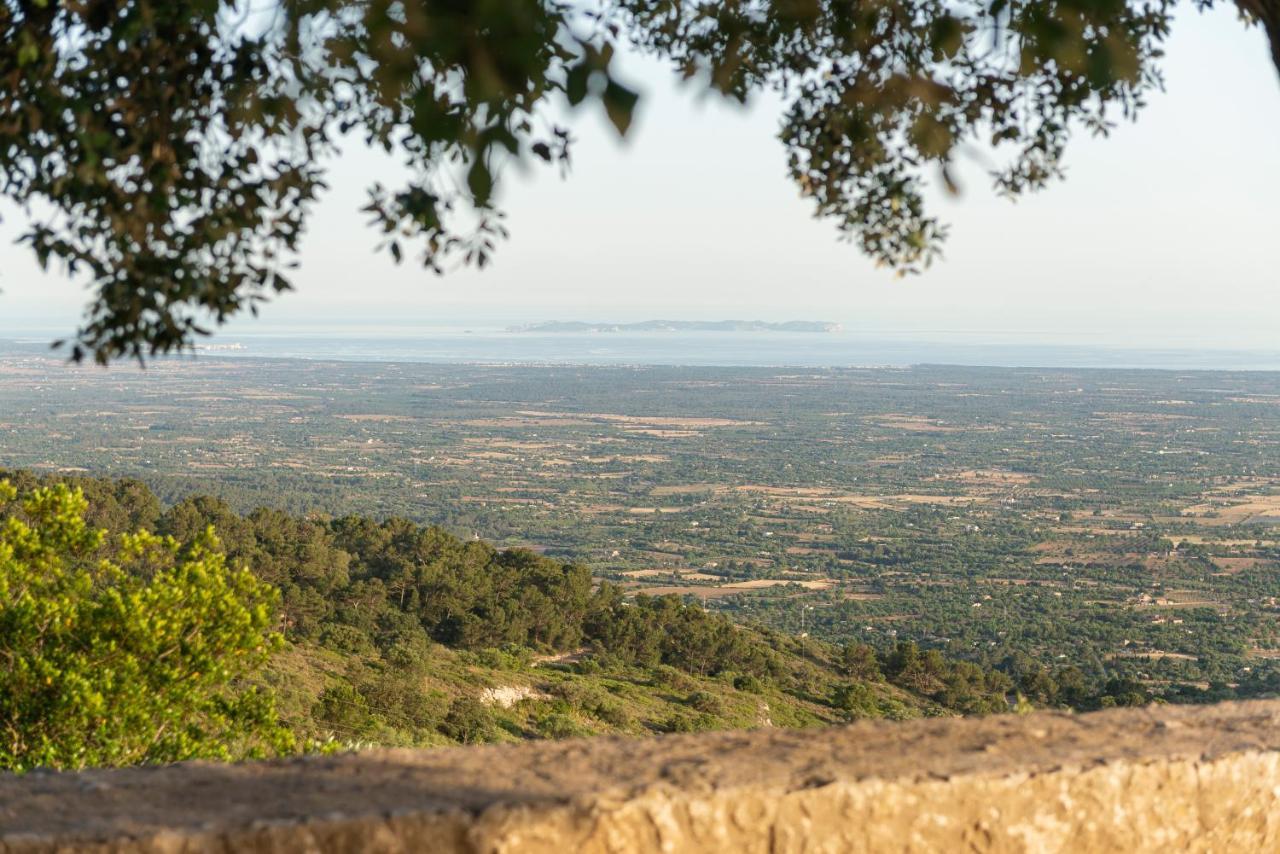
{"points": [[1165, 234]]}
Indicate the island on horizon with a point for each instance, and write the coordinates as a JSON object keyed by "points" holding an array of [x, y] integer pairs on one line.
{"points": [[680, 326]]}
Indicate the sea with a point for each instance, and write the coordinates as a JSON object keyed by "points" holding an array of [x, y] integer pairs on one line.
{"points": [[480, 345]]}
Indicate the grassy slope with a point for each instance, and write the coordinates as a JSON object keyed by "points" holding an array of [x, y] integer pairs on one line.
{"points": [[554, 699]]}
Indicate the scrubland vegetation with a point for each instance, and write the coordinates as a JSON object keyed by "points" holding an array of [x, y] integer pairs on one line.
{"points": [[140, 642]]}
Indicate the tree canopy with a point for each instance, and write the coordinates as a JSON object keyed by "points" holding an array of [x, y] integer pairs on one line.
{"points": [[119, 646], [170, 152]]}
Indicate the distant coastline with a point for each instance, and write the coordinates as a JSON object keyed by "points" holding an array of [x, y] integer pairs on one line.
{"points": [[680, 326]]}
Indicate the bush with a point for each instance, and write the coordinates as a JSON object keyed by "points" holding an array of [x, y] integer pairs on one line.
{"points": [[409, 655], [401, 702], [138, 657], [344, 709], [559, 725], [748, 683], [347, 639], [705, 702], [607, 660], [588, 666], [859, 661], [855, 700], [666, 675], [681, 722], [467, 721], [508, 657], [614, 714], [579, 694]]}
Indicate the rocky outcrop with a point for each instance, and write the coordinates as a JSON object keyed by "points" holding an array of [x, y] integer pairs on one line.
{"points": [[1169, 779]]}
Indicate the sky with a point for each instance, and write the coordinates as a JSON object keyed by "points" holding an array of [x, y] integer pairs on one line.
{"points": [[1164, 234]]}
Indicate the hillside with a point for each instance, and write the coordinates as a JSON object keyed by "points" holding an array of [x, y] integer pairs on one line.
{"points": [[450, 695], [402, 634]]}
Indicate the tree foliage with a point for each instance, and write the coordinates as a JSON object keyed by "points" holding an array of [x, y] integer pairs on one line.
{"points": [[170, 152], [388, 604], [127, 652]]}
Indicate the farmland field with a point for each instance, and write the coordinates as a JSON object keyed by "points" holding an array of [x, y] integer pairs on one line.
{"points": [[1125, 522]]}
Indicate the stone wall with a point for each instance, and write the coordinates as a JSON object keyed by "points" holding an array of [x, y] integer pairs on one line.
{"points": [[1160, 779]]}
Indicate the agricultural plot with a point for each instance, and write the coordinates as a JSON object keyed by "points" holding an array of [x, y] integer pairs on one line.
{"points": [[1124, 522]]}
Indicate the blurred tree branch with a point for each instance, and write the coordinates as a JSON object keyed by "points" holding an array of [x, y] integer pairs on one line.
{"points": [[170, 151]]}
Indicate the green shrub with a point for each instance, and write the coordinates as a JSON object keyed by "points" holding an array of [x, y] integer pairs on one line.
{"points": [[468, 721], [666, 675], [508, 657], [130, 652], [588, 666], [859, 661], [855, 700], [344, 709], [409, 655], [580, 694], [347, 639], [705, 702], [559, 725], [614, 714], [607, 660], [401, 702], [682, 722]]}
